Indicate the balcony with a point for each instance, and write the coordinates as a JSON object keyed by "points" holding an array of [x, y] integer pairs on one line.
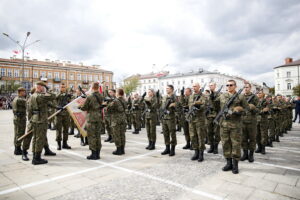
{"points": [[85, 82], [56, 80]]}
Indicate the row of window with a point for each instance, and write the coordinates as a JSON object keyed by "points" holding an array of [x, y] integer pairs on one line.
{"points": [[288, 74], [288, 86], [58, 75]]}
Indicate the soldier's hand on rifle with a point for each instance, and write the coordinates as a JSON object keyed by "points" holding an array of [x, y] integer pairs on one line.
{"points": [[182, 91], [83, 96]]}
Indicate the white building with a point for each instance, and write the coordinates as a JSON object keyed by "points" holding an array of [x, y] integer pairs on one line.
{"points": [[161, 80], [286, 77]]}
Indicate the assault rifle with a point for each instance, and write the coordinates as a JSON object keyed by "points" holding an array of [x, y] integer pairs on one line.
{"points": [[192, 111], [224, 112], [165, 111]]}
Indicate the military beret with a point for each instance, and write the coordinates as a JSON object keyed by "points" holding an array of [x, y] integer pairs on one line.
{"points": [[41, 83], [21, 89]]}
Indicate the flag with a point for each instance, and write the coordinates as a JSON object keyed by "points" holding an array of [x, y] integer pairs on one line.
{"points": [[78, 115], [15, 51]]}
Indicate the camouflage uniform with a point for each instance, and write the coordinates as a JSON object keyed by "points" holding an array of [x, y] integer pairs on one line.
{"points": [[197, 124], [93, 105], [262, 126], [19, 111], [184, 104], [136, 115], [107, 123], [169, 125], [128, 113], [117, 110], [151, 110], [27, 140]]}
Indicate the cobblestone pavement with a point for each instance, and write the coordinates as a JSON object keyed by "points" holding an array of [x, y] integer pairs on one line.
{"points": [[143, 174]]}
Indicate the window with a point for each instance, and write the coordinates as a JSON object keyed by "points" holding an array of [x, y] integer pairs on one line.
{"points": [[183, 82], [278, 86], [289, 86], [56, 75], [149, 81], [288, 75], [84, 77], [49, 74], [9, 73], [277, 74], [162, 83], [35, 74], [16, 74], [50, 85], [71, 77], [107, 79], [95, 78], [63, 76], [56, 87], [43, 74], [26, 73], [90, 77], [79, 77], [3, 71]]}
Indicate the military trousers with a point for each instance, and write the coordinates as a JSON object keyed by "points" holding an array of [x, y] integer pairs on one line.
{"points": [[119, 134], [39, 136], [186, 130], [169, 131], [249, 135], [62, 127], [136, 120], [19, 129], [93, 135], [197, 133], [151, 128], [231, 134], [108, 126], [213, 131], [271, 125], [262, 132]]}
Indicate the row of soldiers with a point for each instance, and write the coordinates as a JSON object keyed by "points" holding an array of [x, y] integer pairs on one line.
{"points": [[238, 120]]}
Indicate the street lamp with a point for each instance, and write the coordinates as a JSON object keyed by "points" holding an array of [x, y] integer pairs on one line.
{"points": [[23, 47]]}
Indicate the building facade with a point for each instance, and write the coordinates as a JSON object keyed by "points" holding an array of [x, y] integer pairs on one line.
{"points": [[286, 77], [53, 72]]}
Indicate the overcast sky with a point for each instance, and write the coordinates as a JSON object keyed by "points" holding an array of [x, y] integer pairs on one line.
{"points": [[246, 38]]}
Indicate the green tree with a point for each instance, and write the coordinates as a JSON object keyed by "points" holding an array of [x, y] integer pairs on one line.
{"points": [[296, 90], [130, 85]]}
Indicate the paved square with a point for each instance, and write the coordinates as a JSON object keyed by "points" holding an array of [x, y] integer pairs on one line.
{"points": [[143, 174]]}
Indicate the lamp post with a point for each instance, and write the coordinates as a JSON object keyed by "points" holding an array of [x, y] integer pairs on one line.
{"points": [[23, 47]]}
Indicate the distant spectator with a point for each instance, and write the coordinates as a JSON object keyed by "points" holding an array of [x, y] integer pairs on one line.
{"points": [[297, 109]]}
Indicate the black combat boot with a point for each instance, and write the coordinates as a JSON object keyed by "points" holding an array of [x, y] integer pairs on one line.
{"points": [[112, 141], [166, 151], [118, 151], [187, 146], [277, 138], [263, 149], [250, 157], [77, 135], [58, 145], [258, 150], [136, 131], [53, 127], [98, 153], [108, 139], [152, 147], [65, 145], [196, 155], [245, 155], [228, 165], [37, 160], [270, 142], [86, 142], [201, 157], [24, 155], [122, 149], [172, 152], [129, 127], [235, 166], [149, 145], [82, 141], [49, 126], [71, 131], [216, 148], [211, 149], [18, 150], [93, 155], [48, 152]]}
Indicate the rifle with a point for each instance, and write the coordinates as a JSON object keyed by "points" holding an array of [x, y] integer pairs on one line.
{"points": [[225, 110], [182, 92], [165, 111], [129, 105], [143, 97], [202, 89], [213, 96], [251, 97], [192, 111]]}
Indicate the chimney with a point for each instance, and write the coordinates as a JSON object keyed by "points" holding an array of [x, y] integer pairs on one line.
{"points": [[288, 60]]}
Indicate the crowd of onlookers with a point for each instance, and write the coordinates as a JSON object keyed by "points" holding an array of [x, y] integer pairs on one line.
{"points": [[6, 102]]}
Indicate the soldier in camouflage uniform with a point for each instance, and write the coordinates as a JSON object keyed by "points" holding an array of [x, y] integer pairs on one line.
{"points": [[197, 122], [128, 112], [151, 111], [271, 121], [184, 102], [262, 125], [213, 129], [249, 130], [136, 114], [51, 111], [290, 107], [169, 121], [38, 107], [93, 106], [117, 109], [275, 112], [19, 111], [112, 94], [231, 127], [62, 119]]}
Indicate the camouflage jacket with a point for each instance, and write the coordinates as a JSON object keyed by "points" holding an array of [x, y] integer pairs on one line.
{"points": [[201, 104], [151, 107], [136, 106], [250, 115], [63, 99], [262, 104], [93, 105], [19, 107], [213, 105], [170, 114], [117, 109], [38, 106]]}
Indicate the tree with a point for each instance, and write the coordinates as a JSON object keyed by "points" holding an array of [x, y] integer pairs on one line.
{"points": [[272, 90], [131, 84], [296, 90]]}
